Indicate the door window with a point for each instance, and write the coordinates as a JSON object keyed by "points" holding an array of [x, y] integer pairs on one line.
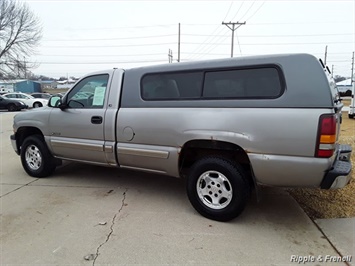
{"points": [[89, 93]]}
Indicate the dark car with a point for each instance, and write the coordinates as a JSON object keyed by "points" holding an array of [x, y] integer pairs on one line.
{"points": [[12, 105], [41, 95]]}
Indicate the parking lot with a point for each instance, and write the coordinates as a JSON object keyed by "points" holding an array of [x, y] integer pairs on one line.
{"points": [[90, 215]]}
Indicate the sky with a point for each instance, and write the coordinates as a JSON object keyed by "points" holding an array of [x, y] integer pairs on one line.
{"points": [[80, 36]]}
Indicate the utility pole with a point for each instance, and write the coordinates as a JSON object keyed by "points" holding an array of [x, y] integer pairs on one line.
{"points": [[232, 26], [24, 67], [179, 44], [170, 56], [332, 70], [325, 55], [18, 68], [352, 70]]}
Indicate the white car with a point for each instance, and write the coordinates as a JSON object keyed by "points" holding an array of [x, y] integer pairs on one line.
{"points": [[27, 99]]}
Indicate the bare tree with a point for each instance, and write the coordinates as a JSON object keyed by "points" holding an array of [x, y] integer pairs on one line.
{"points": [[20, 33]]}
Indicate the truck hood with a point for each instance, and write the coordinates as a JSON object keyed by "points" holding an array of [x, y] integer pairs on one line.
{"points": [[37, 117]]}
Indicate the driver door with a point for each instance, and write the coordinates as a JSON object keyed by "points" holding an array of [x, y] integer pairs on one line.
{"points": [[77, 131]]}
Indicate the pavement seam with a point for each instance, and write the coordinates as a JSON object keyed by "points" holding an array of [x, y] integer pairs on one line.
{"points": [[320, 230], [111, 228], [72, 186], [330, 242], [25, 185]]}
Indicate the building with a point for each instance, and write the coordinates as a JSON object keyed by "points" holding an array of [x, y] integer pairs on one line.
{"points": [[8, 85], [48, 84], [27, 86]]}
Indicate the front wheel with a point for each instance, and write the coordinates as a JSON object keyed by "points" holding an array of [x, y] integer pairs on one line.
{"points": [[11, 107], [36, 158], [217, 188]]}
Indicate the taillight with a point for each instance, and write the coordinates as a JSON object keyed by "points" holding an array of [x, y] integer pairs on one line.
{"points": [[326, 137]]}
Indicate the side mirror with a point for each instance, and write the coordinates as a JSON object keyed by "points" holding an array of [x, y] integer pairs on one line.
{"points": [[55, 101]]}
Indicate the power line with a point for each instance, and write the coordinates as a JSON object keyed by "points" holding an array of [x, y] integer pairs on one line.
{"points": [[235, 15], [277, 23], [248, 10], [301, 22], [100, 46], [249, 18], [277, 43], [228, 10], [213, 44], [95, 55], [124, 27], [92, 63], [212, 34], [111, 39], [278, 35]]}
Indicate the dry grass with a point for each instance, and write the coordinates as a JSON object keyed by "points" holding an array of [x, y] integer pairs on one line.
{"points": [[53, 91], [338, 203], [346, 102]]}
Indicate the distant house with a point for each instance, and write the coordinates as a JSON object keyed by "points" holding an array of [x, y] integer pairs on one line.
{"points": [[65, 84], [27, 86], [8, 85], [48, 84]]}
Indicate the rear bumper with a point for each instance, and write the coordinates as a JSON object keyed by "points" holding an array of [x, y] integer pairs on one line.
{"points": [[338, 175]]}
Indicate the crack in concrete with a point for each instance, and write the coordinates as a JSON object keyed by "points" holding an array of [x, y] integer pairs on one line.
{"points": [[330, 242], [50, 185], [111, 228], [25, 185]]}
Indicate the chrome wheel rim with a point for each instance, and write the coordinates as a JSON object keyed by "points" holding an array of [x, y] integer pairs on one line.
{"points": [[33, 157], [214, 190]]}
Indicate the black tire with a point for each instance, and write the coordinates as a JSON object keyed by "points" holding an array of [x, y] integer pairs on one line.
{"points": [[227, 180], [36, 158], [37, 104], [350, 116], [11, 107]]}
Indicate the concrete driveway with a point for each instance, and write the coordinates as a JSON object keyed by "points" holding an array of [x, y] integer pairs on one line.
{"points": [[89, 215]]}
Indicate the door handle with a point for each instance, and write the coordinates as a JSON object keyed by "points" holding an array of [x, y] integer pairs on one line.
{"points": [[96, 120]]}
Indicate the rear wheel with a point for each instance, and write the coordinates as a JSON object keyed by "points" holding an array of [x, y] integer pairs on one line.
{"points": [[351, 116], [36, 158], [217, 188], [37, 104]]}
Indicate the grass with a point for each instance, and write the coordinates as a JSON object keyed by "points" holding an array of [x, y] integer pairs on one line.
{"points": [[53, 91]]}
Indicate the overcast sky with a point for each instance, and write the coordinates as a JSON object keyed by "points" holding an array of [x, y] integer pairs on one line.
{"points": [[85, 36]]}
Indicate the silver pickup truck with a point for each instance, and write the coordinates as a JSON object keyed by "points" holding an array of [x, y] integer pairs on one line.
{"points": [[224, 125]]}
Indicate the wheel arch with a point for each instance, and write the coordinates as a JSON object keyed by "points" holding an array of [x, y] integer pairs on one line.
{"points": [[11, 104], [37, 102], [194, 150], [24, 132]]}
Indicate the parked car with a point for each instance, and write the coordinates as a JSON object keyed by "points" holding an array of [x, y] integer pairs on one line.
{"points": [[41, 95], [12, 105], [27, 99], [225, 126]]}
